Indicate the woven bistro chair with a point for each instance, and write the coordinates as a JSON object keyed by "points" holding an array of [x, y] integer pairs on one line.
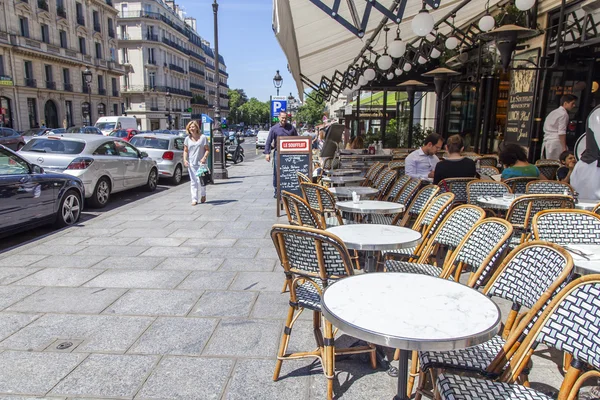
{"points": [[408, 192], [312, 260], [299, 212], [568, 324], [596, 209], [488, 160], [519, 185], [418, 204], [397, 187], [458, 186], [385, 183], [549, 187], [488, 170], [302, 178], [548, 168], [480, 188], [565, 227], [523, 209], [373, 173], [322, 202], [397, 165], [528, 277]]}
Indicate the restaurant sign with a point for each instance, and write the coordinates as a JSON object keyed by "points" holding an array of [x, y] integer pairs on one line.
{"points": [[520, 107]]}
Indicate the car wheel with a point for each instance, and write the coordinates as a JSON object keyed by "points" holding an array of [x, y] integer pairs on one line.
{"points": [[177, 176], [101, 193], [240, 158], [152, 180], [69, 210]]}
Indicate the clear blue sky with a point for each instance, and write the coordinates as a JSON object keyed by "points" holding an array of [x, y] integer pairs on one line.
{"points": [[247, 42]]}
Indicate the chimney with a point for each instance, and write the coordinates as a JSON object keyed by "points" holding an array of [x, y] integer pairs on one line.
{"points": [[191, 22]]}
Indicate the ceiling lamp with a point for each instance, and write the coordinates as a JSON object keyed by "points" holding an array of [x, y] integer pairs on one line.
{"points": [[524, 5], [362, 81], [398, 47], [486, 23], [398, 71], [422, 60], [384, 62], [407, 67], [435, 53], [423, 22], [390, 76], [369, 74], [451, 43]]}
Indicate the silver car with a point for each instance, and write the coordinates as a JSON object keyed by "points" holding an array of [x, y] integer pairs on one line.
{"points": [[167, 151], [105, 164]]}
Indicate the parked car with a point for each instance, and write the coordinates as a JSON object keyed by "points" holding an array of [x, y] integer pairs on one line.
{"points": [[30, 196], [109, 124], [85, 129], [125, 134], [106, 165], [11, 139], [181, 133], [261, 139], [167, 151], [28, 134]]}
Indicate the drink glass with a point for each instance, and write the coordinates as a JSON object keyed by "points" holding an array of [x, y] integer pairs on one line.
{"points": [[508, 196], [356, 199]]}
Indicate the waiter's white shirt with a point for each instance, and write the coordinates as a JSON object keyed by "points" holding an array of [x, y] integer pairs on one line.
{"points": [[585, 179], [419, 165], [556, 124]]}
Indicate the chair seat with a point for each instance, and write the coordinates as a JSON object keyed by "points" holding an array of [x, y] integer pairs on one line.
{"points": [[453, 387], [381, 219], [476, 358], [333, 221], [411, 268], [308, 296]]}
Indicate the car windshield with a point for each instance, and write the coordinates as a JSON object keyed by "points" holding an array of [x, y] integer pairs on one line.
{"points": [[150, 143], [57, 146], [74, 129], [119, 133], [105, 126], [34, 132]]}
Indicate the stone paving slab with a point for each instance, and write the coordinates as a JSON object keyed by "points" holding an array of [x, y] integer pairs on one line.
{"points": [[60, 277], [20, 260], [224, 304], [12, 294], [155, 302], [12, 322], [200, 263], [9, 275], [244, 338], [138, 279], [67, 300], [206, 280], [68, 261], [128, 263]]}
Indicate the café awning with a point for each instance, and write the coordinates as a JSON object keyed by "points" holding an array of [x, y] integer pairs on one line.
{"points": [[317, 46]]}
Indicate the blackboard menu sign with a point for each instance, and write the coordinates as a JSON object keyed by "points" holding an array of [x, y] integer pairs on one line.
{"points": [[293, 155], [520, 107]]}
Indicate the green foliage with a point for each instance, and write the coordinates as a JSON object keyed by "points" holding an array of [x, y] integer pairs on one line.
{"points": [[199, 100], [311, 112], [511, 15], [253, 112], [237, 98]]}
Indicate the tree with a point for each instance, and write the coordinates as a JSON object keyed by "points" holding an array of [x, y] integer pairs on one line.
{"points": [[237, 98], [253, 112], [311, 112]]}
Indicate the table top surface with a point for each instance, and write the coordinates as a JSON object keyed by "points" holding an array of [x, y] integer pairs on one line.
{"points": [[342, 172], [587, 204], [370, 207], [347, 191], [502, 203], [590, 264], [376, 236], [343, 179], [411, 311]]}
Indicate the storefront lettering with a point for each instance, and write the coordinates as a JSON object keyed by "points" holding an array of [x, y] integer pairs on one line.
{"points": [[373, 114], [520, 106]]}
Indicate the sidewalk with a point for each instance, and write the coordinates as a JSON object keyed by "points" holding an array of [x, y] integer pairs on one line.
{"points": [[163, 300]]}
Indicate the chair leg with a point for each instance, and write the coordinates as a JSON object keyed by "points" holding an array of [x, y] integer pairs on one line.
{"points": [[421, 385], [396, 354], [414, 368], [285, 340], [329, 359], [286, 286]]}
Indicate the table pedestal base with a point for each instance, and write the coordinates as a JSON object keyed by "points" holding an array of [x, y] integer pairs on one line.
{"points": [[402, 376], [370, 261]]}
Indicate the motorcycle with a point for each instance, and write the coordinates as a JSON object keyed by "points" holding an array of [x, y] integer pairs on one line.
{"points": [[235, 151]]}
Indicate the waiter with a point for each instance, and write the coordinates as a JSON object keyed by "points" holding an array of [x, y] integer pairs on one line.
{"points": [[283, 128], [555, 128]]}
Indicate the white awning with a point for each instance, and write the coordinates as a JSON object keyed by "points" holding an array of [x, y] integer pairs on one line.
{"points": [[316, 45]]}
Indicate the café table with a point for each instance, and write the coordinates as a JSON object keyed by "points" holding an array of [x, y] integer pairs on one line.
{"points": [[586, 258], [500, 203], [373, 238], [342, 172], [343, 180], [410, 312], [345, 192], [366, 208], [586, 204]]}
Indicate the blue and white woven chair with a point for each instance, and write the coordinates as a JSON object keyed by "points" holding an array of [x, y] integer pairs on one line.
{"points": [[299, 212], [565, 227], [528, 277], [570, 324], [548, 168], [419, 203], [322, 202], [312, 259], [373, 173], [488, 160], [519, 185], [458, 186], [488, 170], [549, 187], [385, 183], [397, 187], [482, 188]]}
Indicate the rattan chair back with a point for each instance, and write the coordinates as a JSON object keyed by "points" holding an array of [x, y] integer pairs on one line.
{"points": [[385, 183], [480, 188], [549, 187], [408, 192], [458, 186], [596, 209], [302, 178], [375, 172], [488, 170], [565, 227], [419, 203], [548, 168], [321, 201], [397, 187], [524, 208], [519, 185], [396, 165], [488, 160], [298, 211]]}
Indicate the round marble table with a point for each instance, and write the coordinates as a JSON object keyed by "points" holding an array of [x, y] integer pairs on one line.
{"points": [[410, 312], [587, 204], [586, 258], [370, 207], [342, 172], [495, 202], [374, 237], [345, 192], [343, 180]]}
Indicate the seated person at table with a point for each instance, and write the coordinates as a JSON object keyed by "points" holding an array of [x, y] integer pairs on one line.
{"points": [[454, 165], [568, 161], [356, 144], [515, 163], [420, 164]]}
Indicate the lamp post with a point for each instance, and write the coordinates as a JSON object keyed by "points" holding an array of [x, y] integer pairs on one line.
{"points": [[169, 98], [217, 139], [277, 81], [87, 75], [440, 78]]}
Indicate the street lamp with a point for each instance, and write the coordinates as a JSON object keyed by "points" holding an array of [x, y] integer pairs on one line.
{"points": [[277, 81], [87, 75], [169, 98]]}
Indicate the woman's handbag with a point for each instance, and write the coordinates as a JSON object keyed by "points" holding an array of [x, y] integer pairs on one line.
{"points": [[204, 174]]}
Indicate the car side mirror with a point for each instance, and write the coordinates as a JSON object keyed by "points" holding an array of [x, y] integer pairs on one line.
{"points": [[143, 154], [36, 169]]}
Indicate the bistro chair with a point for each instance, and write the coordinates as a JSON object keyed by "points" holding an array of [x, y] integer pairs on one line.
{"points": [[397, 187], [519, 185], [523, 209], [458, 186], [569, 324], [469, 154], [312, 260], [549, 187], [322, 202], [328, 163], [298, 211], [486, 170], [481, 188], [596, 209], [302, 178], [373, 173], [385, 183], [408, 192], [488, 160], [419, 203], [398, 166], [565, 227], [548, 168], [528, 277]]}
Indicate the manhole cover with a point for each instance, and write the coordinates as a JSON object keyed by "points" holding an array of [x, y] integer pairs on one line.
{"points": [[64, 345]]}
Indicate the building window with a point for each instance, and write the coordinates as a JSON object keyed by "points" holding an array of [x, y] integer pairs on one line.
{"points": [[82, 48], [152, 79], [48, 72], [126, 81], [125, 56], [100, 82], [63, 39], [24, 25], [96, 21], [99, 51], [79, 12], [45, 33], [111, 28], [1, 65], [113, 54], [28, 69], [115, 109], [69, 113], [32, 110], [151, 59], [101, 110], [115, 89]]}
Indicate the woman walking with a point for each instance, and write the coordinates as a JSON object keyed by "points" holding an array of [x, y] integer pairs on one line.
{"points": [[195, 153]]}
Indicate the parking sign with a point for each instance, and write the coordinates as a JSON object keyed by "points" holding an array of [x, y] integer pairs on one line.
{"points": [[278, 104]]}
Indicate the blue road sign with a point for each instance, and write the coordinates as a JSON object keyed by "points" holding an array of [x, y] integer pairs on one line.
{"points": [[278, 105]]}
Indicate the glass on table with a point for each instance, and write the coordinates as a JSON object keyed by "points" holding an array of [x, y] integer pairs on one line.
{"points": [[508, 196]]}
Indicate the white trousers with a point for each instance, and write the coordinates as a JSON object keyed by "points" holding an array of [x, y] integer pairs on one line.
{"points": [[195, 181], [551, 149]]}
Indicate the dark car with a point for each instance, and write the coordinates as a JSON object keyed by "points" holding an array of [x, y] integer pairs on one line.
{"points": [[85, 129], [30, 197], [11, 139], [125, 134]]}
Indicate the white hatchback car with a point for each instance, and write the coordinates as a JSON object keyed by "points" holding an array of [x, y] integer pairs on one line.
{"points": [[105, 164], [167, 151]]}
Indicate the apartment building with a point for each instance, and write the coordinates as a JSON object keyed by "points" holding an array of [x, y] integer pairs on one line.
{"points": [[166, 85], [45, 45]]}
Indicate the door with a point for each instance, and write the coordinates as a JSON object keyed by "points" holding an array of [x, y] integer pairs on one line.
{"points": [[135, 172], [108, 162], [51, 115]]}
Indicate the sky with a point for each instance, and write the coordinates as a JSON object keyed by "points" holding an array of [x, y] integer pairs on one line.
{"points": [[246, 40]]}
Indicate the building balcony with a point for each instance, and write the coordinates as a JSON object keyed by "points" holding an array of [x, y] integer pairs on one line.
{"points": [[30, 82], [51, 85], [124, 36], [210, 67], [144, 88], [115, 66], [158, 17], [210, 79], [174, 45], [196, 55], [181, 92], [153, 62], [61, 12], [153, 38], [102, 92], [97, 27], [177, 68], [197, 86], [197, 71], [43, 5], [101, 63], [223, 96], [222, 72], [153, 108], [223, 84], [68, 87]]}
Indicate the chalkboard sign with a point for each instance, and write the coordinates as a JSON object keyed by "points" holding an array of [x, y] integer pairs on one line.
{"points": [[521, 99], [293, 155]]}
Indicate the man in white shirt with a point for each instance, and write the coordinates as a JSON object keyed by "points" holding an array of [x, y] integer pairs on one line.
{"points": [[555, 128], [420, 164], [585, 177]]}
